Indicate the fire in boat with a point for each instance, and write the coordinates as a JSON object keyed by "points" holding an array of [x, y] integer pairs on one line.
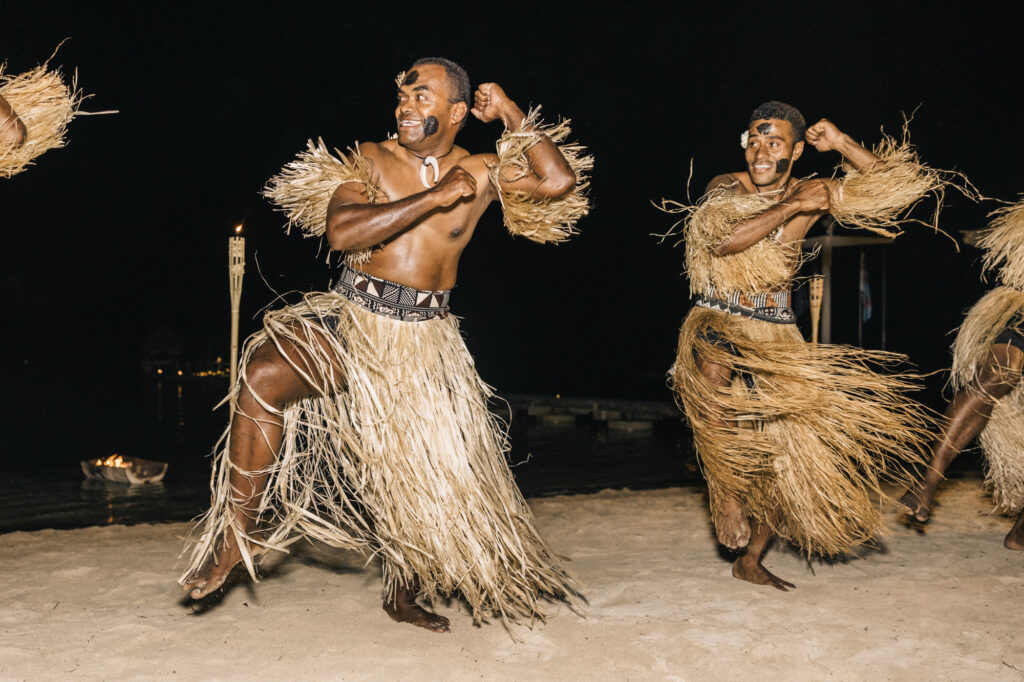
{"points": [[119, 469]]}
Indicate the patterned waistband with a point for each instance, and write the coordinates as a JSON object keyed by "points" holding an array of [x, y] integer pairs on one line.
{"points": [[775, 306], [391, 298]]}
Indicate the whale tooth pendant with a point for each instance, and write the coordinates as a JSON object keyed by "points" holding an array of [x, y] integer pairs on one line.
{"points": [[431, 162]]}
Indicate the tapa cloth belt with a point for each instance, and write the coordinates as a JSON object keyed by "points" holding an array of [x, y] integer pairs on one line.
{"points": [[774, 306], [391, 298]]}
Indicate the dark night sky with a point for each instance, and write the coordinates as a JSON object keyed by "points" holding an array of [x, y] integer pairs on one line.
{"points": [[125, 230]]}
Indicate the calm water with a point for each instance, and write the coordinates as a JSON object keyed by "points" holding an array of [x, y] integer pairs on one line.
{"points": [[173, 421]]}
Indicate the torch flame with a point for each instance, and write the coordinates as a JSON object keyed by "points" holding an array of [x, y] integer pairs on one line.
{"points": [[238, 228], [114, 460]]}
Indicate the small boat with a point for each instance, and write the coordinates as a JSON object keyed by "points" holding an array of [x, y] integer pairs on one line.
{"points": [[130, 470]]}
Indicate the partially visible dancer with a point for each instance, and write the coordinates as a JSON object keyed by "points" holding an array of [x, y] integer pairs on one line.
{"points": [[35, 109], [793, 438], [988, 357]]}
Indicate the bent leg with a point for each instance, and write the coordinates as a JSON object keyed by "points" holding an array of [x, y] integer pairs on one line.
{"points": [[255, 439], [966, 417], [729, 517]]}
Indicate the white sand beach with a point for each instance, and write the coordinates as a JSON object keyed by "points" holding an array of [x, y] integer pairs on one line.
{"points": [[102, 604]]}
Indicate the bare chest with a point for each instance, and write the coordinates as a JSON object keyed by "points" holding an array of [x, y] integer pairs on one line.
{"points": [[454, 223]]}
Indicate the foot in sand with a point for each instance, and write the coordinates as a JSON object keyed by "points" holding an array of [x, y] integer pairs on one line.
{"points": [[1015, 538], [914, 501], [750, 569], [214, 571], [404, 609], [731, 524]]}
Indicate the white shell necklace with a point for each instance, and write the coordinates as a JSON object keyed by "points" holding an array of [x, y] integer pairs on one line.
{"points": [[431, 162]]}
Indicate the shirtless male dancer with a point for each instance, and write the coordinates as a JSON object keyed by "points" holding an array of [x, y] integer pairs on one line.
{"points": [[793, 474], [436, 192], [775, 142]]}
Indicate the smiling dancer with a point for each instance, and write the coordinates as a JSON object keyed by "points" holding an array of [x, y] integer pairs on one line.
{"points": [[987, 361], [360, 420], [793, 438]]}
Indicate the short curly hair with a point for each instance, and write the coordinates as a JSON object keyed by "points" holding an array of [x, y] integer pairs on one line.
{"points": [[783, 112], [458, 81]]}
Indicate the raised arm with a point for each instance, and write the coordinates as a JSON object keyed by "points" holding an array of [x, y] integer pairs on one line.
{"points": [[12, 130], [550, 174], [810, 197], [825, 136], [353, 223]]}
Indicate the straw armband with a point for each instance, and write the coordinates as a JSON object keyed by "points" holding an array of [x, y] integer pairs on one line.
{"points": [[543, 220], [303, 189], [45, 104], [879, 197], [1003, 243]]}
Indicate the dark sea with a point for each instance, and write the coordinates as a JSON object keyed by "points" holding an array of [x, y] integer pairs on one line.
{"points": [[173, 420]]}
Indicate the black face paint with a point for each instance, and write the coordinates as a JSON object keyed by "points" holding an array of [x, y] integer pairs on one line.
{"points": [[764, 128], [411, 77], [781, 166], [430, 126]]}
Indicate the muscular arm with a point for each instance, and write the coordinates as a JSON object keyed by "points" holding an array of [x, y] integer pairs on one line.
{"points": [[12, 130], [550, 175], [809, 197], [757, 228], [858, 156], [825, 136], [353, 223]]}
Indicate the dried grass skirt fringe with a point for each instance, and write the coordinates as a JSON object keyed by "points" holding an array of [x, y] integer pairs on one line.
{"points": [[827, 429], [1003, 437], [406, 462]]}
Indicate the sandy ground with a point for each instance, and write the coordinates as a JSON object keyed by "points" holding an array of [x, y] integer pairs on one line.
{"points": [[101, 603]]}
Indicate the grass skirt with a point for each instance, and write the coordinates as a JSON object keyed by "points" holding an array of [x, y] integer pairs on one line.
{"points": [[406, 462], [1003, 437], [812, 432]]}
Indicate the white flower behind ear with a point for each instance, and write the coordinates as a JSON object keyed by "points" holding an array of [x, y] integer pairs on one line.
{"points": [[743, 138]]}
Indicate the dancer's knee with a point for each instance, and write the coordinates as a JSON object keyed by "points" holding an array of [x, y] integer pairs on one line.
{"points": [[1001, 374], [714, 373], [271, 378]]}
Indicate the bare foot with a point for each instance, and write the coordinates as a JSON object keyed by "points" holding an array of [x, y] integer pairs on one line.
{"points": [[731, 524], [214, 571], [1015, 538], [915, 505], [404, 609], [752, 571]]}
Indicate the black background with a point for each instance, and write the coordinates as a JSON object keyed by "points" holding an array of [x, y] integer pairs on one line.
{"points": [[122, 236]]}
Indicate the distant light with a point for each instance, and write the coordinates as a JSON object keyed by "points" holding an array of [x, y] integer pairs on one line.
{"points": [[179, 372], [220, 359], [159, 371], [558, 396]]}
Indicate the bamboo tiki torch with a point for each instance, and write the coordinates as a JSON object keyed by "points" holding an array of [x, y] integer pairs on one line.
{"points": [[236, 268], [817, 284]]}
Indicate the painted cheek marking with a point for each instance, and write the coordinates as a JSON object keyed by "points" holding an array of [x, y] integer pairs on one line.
{"points": [[430, 126], [782, 165]]}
